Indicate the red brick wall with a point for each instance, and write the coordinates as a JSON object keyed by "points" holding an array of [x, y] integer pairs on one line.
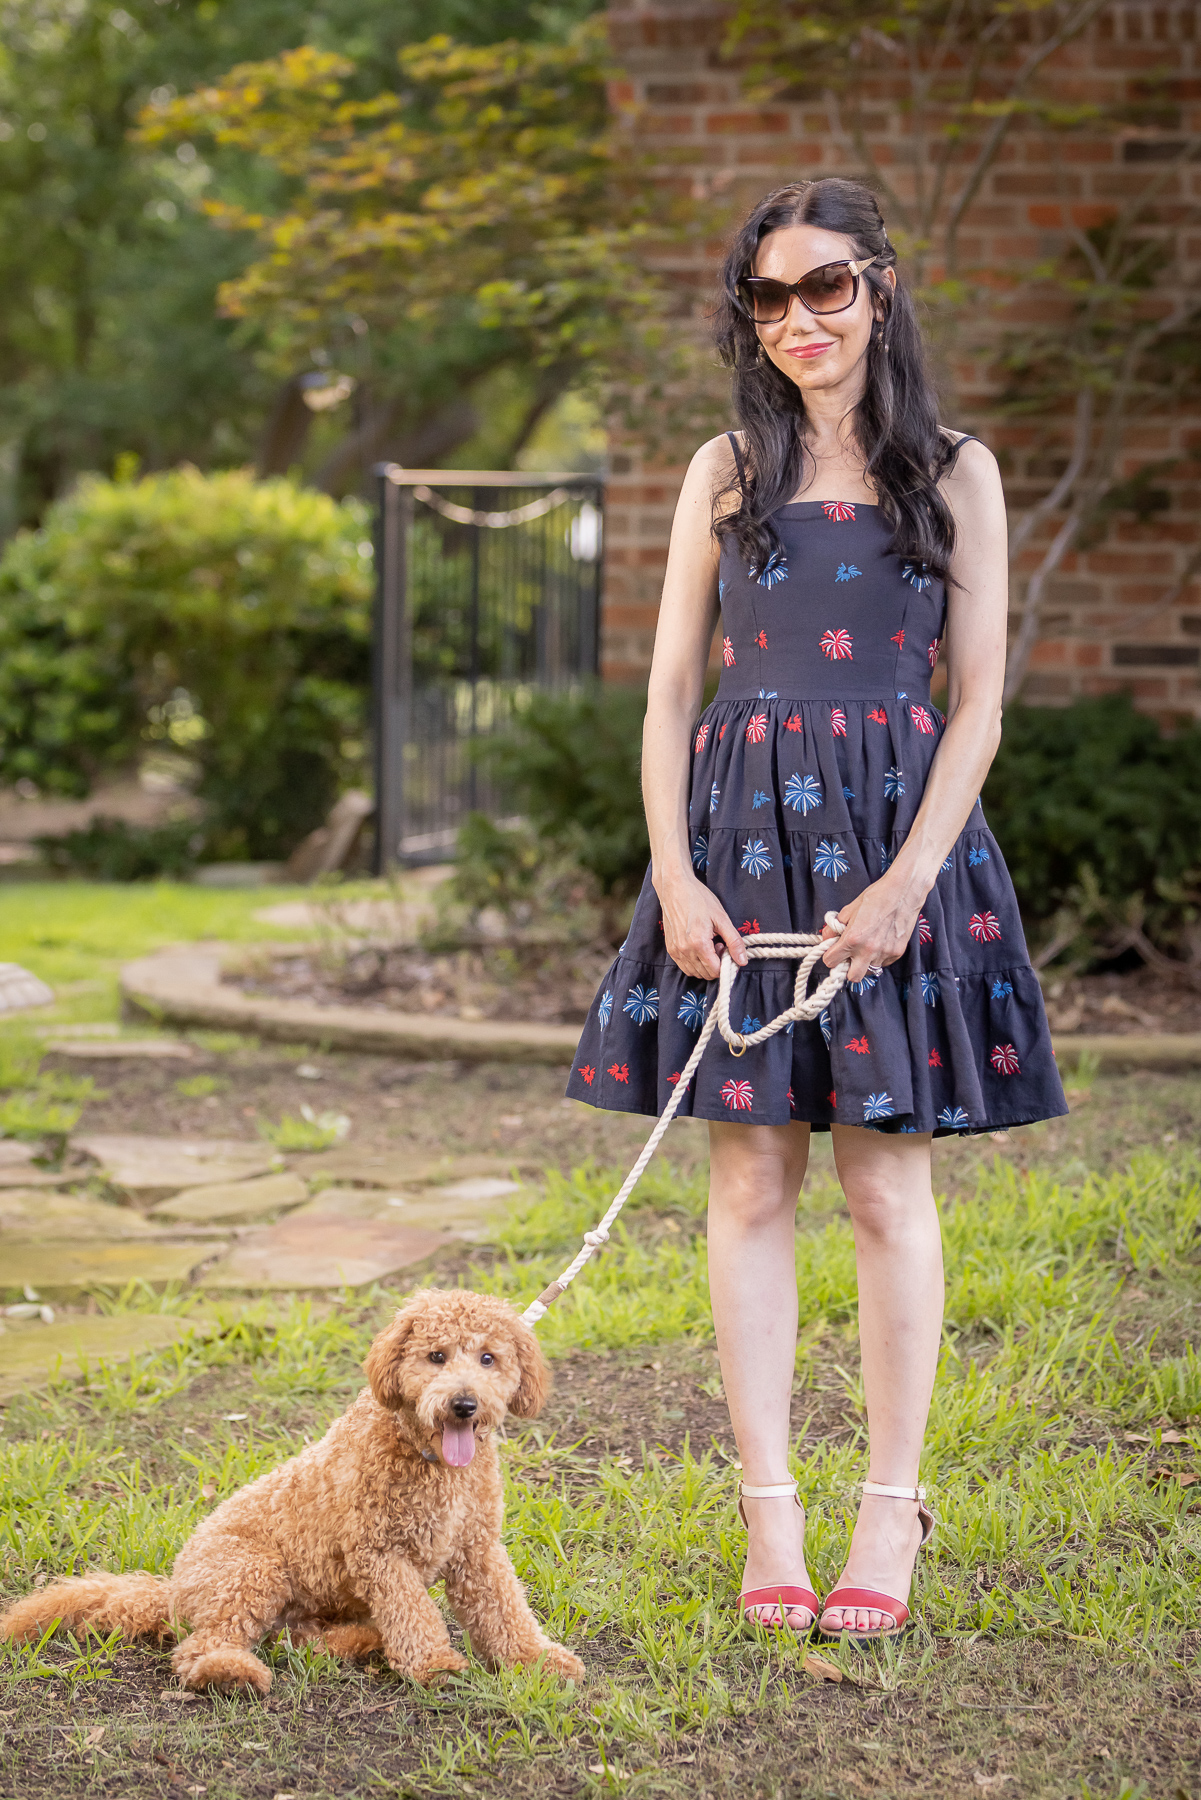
{"points": [[681, 102]]}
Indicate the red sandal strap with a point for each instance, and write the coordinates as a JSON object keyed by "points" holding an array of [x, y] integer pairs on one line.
{"points": [[853, 1599], [781, 1596]]}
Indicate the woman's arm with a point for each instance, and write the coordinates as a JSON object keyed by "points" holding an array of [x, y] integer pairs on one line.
{"points": [[880, 922], [692, 916]]}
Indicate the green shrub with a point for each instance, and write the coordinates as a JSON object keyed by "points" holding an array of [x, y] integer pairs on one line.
{"points": [[114, 850], [222, 616]]}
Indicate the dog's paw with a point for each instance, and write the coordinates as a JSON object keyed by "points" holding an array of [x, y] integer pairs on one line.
{"points": [[221, 1666], [562, 1662], [441, 1664]]}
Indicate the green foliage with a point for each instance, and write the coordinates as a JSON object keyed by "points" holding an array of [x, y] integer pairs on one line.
{"points": [[114, 850], [495, 865], [1094, 786], [311, 1131], [219, 616]]}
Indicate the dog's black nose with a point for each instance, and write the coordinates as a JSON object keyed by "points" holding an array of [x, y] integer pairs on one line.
{"points": [[464, 1406]]}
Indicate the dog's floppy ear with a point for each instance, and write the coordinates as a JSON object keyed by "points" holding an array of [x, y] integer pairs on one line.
{"points": [[534, 1386], [382, 1363]]}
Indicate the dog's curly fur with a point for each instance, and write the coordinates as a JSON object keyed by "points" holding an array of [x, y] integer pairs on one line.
{"points": [[341, 1543]]}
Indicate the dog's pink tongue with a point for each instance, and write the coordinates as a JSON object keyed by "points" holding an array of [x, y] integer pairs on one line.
{"points": [[458, 1444]]}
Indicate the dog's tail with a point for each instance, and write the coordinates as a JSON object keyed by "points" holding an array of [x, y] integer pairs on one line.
{"points": [[138, 1604]]}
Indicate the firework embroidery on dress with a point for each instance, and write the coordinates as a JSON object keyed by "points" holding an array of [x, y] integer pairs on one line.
{"points": [[847, 572], [985, 927], [976, 856], [886, 856], [727, 652], [642, 1004], [924, 933], [619, 1071], [1004, 1060], [802, 792], [947, 864], [748, 1025], [828, 859], [894, 784], [933, 650], [587, 1073], [838, 721], [749, 928], [774, 569], [934, 1060], [915, 574], [1001, 990], [848, 793], [604, 1008], [838, 510], [859, 1045], [878, 716], [794, 722], [755, 858], [922, 719], [714, 797], [761, 640], [837, 645], [756, 729], [700, 852], [826, 1024], [791, 1101], [721, 592], [898, 638], [739, 1096], [931, 990], [864, 985], [878, 1106], [702, 737], [721, 733], [954, 1116], [693, 1007], [758, 799]]}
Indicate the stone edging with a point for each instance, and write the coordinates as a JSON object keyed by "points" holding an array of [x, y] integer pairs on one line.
{"points": [[182, 986]]}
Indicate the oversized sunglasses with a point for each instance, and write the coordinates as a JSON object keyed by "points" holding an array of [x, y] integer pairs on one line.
{"points": [[830, 289]]}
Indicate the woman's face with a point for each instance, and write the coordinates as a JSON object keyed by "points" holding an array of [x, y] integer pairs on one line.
{"points": [[815, 351]]}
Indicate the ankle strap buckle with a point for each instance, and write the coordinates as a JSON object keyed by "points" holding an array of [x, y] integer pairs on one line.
{"points": [[895, 1493]]}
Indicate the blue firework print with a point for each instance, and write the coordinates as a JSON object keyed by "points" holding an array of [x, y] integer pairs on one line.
{"points": [[604, 1010], [693, 1007], [886, 856], [642, 1004], [865, 985], [916, 576], [931, 990], [829, 859], [947, 864], [953, 1117], [721, 592], [714, 797], [879, 1106], [755, 858], [904, 992], [748, 1024], [847, 794], [768, 694], [827, 1025], [847, 572], [976, 855], [802, 792], [700, 851], [759, 799], [894, 784], [1001, 990], [774, 569]]}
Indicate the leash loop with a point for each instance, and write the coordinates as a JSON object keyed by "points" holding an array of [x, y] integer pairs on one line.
{"points": [[802, 947]]}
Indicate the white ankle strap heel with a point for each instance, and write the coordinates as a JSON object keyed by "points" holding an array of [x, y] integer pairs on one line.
{"points": [[906, 1493]]}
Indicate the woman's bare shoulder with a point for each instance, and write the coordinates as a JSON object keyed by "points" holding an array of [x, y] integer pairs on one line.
{"points": [[713, 473], [973, 479]]}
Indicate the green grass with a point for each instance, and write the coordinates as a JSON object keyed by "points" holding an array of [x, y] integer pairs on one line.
{"points": [[1066, 1544]]}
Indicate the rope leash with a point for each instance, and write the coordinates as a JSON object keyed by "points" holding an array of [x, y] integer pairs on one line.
{"points": [[803, 947]]}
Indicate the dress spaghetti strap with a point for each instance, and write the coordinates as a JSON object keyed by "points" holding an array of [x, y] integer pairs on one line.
{"points": [[739, 464]]}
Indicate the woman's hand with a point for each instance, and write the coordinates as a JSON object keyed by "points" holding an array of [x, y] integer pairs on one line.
{"points": [[877, 927], [692, 918]]}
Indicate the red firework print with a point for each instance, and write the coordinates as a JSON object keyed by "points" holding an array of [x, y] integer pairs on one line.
{"points": [[985, 927], [791, 1101], [934, 1060], [739, 1096], [859, 1045], [702, 737], [924, 933], [898, 638], [587, 1073], [619, 1071], [1004, 1060], [727, 652], [878, 716], [838, 510], [761, 640], [748, 928], [756, 729], [837, 645], [932, 652], [831, 1098], [674, 1078], [794, 723], [838, 721], [922, 719], [721, 734]]}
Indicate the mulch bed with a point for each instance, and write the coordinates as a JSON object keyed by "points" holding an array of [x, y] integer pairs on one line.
{"points": [[1131, 1004]]}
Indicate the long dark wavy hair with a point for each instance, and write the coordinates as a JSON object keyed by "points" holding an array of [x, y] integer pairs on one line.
{"points": [[896, 422]]}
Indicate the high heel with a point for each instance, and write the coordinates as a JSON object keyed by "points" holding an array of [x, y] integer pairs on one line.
{"points": [[871, 1599], [780, 1596]]}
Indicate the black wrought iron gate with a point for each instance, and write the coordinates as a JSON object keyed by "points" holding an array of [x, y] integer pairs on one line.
{"points": [[488, 586]]}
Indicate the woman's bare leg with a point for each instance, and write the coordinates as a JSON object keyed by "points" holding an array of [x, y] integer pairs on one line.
{"points": [[898, 1256], [755, 1175]]}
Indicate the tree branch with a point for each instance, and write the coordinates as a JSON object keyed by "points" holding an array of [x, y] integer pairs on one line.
{"points": [[431, 438]]}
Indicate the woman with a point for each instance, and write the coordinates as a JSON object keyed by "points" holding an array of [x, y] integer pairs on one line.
{"points": [[845, 537]]}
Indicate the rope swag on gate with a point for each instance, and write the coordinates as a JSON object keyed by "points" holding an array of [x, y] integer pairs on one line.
{"points": [[803, 947], [493, 521]]}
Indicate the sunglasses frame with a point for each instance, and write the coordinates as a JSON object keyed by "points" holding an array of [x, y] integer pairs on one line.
{"points": [[794, 287]]}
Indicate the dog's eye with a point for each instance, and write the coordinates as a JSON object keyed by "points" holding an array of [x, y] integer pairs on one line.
{"points": [[487, 1359], [438, 1356]]}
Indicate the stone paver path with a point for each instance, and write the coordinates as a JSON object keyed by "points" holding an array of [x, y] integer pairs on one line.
{"points": [[33, 1213], [53, 1268], [117, 1049], [231, 1200], [155, 1168], [323, 1251], [33, 1355]]}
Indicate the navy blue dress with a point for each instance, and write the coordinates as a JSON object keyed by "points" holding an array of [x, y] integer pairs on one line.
{"points": [[808, 769]]}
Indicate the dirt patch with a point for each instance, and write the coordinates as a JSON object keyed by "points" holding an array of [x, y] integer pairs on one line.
{"points": [[1127, 1005]]}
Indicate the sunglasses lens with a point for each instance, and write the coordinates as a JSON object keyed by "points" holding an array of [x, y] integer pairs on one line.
{"points": [[766, 302], [828, 290]]}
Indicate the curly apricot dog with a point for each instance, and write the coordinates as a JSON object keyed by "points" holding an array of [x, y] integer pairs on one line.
{"points": [[341, 1543]]}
